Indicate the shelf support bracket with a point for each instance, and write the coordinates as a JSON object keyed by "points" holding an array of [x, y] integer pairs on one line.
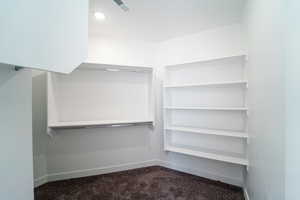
{"points": [[50, 132]]}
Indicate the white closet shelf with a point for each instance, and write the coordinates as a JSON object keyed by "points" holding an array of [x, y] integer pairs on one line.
{"points": [[208, 155], [113, 68], [241, 82], [211, 59], [86, 124], [208, 108], [208, 131]]}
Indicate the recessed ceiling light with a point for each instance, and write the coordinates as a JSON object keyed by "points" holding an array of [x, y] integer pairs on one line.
{"points": [[99, 16]]}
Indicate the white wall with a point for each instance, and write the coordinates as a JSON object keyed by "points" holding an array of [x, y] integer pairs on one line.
{"points": [[292, 101], [16, 170], [219, 42], [106, 50], [263, 28]]}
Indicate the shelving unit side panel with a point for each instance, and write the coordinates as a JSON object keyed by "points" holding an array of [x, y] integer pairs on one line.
{"points": [[52, 109]]}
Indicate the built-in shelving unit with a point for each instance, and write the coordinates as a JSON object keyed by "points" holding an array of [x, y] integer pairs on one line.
{"points": [[97, 95], [205, 109]]}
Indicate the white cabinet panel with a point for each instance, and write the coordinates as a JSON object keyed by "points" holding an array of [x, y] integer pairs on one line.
{"points": [[47, 35]]}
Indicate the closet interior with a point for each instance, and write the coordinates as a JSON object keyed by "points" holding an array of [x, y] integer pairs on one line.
{"points": [[148, 100]]}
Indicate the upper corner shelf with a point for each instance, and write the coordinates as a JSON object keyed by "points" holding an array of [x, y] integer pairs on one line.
{"points": [[240, 55], [241, 82]]}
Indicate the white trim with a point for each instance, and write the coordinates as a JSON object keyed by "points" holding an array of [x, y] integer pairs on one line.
{"points": [[40, 181], [117, 168], [101, 170], [246, 194]]}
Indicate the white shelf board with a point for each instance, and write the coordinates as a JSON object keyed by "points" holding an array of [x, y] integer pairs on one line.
{"points": [[241, 82], [210, 59], [208, 131], [76, 124], [207, 108], [207, 155], [113, 68]]}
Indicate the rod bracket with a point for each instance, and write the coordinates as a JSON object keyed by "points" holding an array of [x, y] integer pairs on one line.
{"points": [[18, 68]]}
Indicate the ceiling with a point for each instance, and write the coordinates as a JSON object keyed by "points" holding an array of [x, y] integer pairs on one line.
{"points": [[159, 20]]}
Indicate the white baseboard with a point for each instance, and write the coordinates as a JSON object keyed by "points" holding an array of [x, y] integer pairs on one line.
{"points": [[197, 172], [40, 181], [94, 171], [246, 194], [116, 168]]}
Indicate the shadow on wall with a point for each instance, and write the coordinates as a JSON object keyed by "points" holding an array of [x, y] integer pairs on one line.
{"points": [[4, 77], [100, 139]]}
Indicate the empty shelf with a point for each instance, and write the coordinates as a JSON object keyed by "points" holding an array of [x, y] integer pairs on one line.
{"points": [[208, 108], [209, 131], [208, 84], [83, 124], [210, 59], [208, 155]]}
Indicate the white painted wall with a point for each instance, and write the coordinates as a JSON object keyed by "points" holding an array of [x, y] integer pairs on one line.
{"points": [[107, 50], [292, 101], [219, 42], [73, 153], [263, 28], [16, 170], [90, 94]]}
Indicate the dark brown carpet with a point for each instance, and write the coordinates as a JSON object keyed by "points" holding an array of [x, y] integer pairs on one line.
{"points": [[151, 183]]}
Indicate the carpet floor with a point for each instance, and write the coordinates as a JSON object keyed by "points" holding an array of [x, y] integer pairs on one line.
{"points": [[151, 183]]}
